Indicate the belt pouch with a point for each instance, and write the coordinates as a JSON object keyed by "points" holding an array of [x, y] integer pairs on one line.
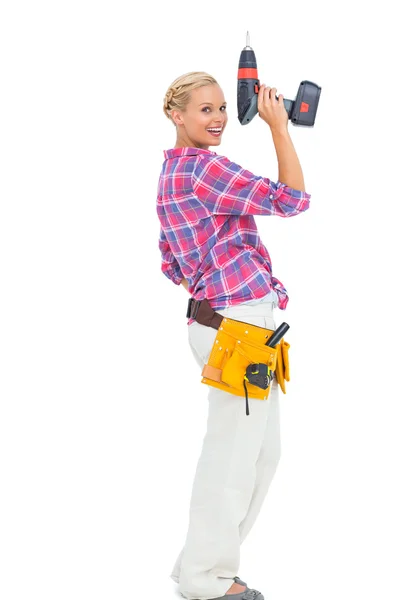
{"points": [[243, 355], [236, 345], [282, 364]]}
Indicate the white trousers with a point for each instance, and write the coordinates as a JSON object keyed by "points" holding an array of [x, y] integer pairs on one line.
{"points": [[237, 463]]}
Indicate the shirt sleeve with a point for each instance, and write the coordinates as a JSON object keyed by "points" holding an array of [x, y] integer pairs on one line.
{"points": [[225, 188], [169, 264]]}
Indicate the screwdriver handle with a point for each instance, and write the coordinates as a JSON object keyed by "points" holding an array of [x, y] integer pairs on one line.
{"points": [[277, 335]]}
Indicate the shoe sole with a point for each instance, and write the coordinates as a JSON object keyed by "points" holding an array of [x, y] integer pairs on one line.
{"points": [[248, 594]]}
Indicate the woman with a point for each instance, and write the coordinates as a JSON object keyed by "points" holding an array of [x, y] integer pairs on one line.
{"points": [[210, 244]]}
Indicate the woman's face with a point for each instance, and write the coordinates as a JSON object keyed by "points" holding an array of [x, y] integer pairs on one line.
{"points": [[207, 109]]}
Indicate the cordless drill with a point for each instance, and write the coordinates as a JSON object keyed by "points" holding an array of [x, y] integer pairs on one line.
{"points": [[301, 111]]}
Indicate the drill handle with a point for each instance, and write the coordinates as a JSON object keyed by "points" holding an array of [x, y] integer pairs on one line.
{"points": [[248, 109], [248, 106]]}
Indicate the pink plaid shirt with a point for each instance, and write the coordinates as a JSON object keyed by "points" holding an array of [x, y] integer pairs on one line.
{"points": [[206, 206]]}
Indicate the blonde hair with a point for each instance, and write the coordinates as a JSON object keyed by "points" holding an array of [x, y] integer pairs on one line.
{"points": [[178, 93]]}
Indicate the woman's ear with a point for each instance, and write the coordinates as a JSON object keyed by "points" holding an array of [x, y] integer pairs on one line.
{"points": [[176, 117]]}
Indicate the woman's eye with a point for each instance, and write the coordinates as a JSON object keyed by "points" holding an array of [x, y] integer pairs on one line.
{"points": [[224, 107]]}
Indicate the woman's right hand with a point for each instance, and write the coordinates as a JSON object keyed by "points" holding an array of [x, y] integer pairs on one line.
{"points": [[271, 110]]}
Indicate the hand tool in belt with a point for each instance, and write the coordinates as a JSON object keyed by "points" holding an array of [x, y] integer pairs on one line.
{"points": [[202, 312]]}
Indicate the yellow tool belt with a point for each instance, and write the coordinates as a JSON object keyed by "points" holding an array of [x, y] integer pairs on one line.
{"points": [[237, 345]]}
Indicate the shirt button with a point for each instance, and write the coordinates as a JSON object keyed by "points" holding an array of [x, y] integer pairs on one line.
{"points": [[271, 196]]}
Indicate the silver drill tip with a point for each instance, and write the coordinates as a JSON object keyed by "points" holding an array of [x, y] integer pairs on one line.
{"points": [[247, 47]]}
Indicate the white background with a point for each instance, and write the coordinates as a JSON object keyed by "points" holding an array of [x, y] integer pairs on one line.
{"points": [[102, 408]]}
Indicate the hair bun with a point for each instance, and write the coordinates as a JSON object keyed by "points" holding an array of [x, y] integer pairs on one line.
{"points": [[169, 95]]}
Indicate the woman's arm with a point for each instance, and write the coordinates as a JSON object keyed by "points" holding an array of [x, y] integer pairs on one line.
{"points": [[169, 265], [226, 188], [290, 171], [185, 284]]}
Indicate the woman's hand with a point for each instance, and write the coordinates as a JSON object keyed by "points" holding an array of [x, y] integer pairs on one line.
{"points": [[271, 110]]}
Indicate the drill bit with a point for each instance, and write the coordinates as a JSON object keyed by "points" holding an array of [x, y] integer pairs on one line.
{"points": [[247, 47]]}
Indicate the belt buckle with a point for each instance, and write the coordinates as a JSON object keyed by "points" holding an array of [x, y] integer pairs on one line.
{"points": [[190, 306], [196, 308]]}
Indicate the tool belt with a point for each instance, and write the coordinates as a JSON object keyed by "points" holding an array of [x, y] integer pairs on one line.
{"points": [[238, 347]]}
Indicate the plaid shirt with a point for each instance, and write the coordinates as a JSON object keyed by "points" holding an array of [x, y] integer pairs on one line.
{"points": [[206, 206]]}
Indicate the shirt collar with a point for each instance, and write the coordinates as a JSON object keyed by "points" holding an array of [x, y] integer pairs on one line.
{"points": [[186, 151]]}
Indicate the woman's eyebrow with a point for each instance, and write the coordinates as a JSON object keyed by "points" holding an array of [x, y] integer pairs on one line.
{"points": [[211, 103]]}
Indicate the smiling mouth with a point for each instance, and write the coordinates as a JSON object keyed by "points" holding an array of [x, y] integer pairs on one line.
{"points": [[215, 132]]}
